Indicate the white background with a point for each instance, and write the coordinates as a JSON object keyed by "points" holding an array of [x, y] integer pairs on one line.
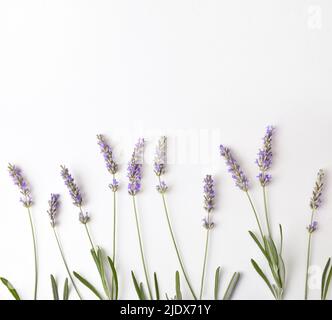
{"points": [[216, 71]]}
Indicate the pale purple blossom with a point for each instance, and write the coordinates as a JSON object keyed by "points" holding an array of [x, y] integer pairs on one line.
{"points": [[114, 186], [209, 193], [312, 227], [53, 208], [22, 184], [134, 170], [234, 168], [264, 159], [160, 158], [316, 198], [107, 153], [162, 187]]}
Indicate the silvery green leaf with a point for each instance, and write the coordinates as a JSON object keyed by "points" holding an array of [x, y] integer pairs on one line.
{"points": [[232, 285], [262, 275], [216, 283], [10, 288]]}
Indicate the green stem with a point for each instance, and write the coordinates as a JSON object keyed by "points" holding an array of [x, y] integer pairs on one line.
{"points": [[65, 263], [114, 239], [308, 259], [266, 212], [176, 247], [35, 253], [256, 215], [141, 249], [205, 258], [89, 237]]}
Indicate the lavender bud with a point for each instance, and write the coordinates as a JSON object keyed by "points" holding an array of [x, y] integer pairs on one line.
{"points": [[207, 224], [83, 217], [114, 186], [316, 198], [134, 170], [74, 191], [160, 158], [239, 177], [264, 159], [22, 184], [312, 227], [162, 187], [107, 153], [53, 208]]}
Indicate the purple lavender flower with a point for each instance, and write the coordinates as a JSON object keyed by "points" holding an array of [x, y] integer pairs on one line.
{"points": [[207, 224], [162, 187], [209, 193], [114, 186], [135, 168], [312, 227], [22, 184], [75, 193], [239, 177], [160, 158], [53, 208], [264, 160], [316, 198], [107, 153]]}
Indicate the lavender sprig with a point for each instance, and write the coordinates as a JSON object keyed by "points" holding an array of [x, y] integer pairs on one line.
{"points": [[53, 204], [22, 184], [234, 168], [135, 167], [26, 200], [315, 203], [52, 211], [209, 198], [264, 157], [75, 194], [107, 153], [159, 168]]}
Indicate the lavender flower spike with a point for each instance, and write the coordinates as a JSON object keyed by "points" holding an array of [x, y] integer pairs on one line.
{"points": [[316, 198], [264, 160], [234, 168], [53, 208], [22, 184], [135, 168], [160, 158], [75, 193], [107, 153], [209, 195]]}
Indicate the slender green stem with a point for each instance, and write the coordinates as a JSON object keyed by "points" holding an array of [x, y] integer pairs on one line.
{"points": [[308, 259], [205, 258], [114, 238], [89, 237], [176, 247], [35, 253], [141, 249], [267, 212], [65, 263], [256, 215]]}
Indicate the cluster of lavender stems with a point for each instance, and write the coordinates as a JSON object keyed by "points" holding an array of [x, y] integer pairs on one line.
{"points": [[26, 200], [112, 167], [209, 199], [315, 203], [54, 203], [134, 174], [159, 165]]}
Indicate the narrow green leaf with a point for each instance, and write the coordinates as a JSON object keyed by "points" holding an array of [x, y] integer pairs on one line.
{"points": [[66, 290], [281, 239], [263, 276], [115, 277], [324, 278], [54, 288], [327, 284], [137, 287], [232, 285], [101, 269], [178, 286], [141, 286], [156, 286], [253, 236], [216, 283], [10, 288], [282, 271], [88, 285]]}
